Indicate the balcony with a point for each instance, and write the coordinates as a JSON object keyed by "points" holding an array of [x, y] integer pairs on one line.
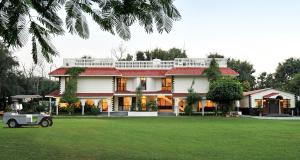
{"points": [[154, 64]]}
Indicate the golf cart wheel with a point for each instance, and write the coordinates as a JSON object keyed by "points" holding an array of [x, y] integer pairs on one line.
{"points": [[50, 122], [12, 123], [44, 123]]}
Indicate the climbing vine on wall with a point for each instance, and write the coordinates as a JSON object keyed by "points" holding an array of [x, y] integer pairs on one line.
{"points": [[69, 95]]}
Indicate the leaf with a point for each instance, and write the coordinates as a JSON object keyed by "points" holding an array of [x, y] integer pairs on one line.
{"points": [[48, 50], [34, 50], [75, 20], [123, 30], [54, 28]]}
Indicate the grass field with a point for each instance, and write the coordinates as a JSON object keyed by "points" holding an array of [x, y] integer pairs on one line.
{"points": [[154, 138]]}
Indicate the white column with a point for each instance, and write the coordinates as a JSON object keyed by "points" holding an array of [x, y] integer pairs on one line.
{"points": [[203, 105], [176, 108], [109, 106], [237, 104], [82, 105], [56, 109]]}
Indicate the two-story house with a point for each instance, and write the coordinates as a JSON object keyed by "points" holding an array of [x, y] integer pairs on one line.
{"points": [[112, 84]]}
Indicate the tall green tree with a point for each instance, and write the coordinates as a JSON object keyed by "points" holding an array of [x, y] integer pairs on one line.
{"points": [[225, 91], [245, 70], [40, 20], [294, 84], [213, 71], [286, 70], [8, 72], [266, 80]]}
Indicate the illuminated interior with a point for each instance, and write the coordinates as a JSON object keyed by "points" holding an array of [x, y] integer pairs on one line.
{"points": [[285, 103], [258, 103], [104, 105], [166, 84], [121, 84], [181, 105], [144, 101], [127, 103], [143, 83]]}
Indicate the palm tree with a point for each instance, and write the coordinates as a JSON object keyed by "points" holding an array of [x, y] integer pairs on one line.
{"points": [[39, 20]]}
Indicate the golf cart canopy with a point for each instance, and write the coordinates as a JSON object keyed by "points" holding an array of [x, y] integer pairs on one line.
{"points": [[26, 96]]}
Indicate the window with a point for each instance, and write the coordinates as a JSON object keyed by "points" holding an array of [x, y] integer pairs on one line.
{"points": [[258, 103], [143, 83], [121, 84], [164, 102], [104, 105], [285, 103], [166, 84]]}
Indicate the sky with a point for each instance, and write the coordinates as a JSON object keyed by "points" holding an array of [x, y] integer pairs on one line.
{"points": [[262, 32]]}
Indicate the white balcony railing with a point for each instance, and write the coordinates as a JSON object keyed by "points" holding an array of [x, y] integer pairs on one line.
{"points": [[154, 64]]}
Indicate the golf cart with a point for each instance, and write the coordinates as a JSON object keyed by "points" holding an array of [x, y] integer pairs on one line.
{"points": [[16, 119]]}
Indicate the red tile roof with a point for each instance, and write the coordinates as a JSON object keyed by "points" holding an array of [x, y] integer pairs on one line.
{"points": [[197, 71], [55, 93], [89, 72], [270, 95], [185, 94], [255, 91], [94, 94], [144, 92], [154, 73], [132, 73]]}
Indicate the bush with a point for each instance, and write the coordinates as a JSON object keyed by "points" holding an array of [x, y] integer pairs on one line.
{"points": [[95, 110], [151, 106]]}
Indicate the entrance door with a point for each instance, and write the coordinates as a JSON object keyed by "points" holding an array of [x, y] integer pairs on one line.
{"points": [[120, 103], [273, 106]]}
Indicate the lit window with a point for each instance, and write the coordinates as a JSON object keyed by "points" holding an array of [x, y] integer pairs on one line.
{"points": [[166, 84], [104, 105], [258, 103], [143, 83], [121, 84], [181, 105], [285, 103], [210, 103]]}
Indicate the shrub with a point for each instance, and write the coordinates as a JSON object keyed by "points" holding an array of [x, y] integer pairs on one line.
{"points": [[151, 106]]}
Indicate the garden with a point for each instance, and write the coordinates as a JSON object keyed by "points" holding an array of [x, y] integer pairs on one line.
{"points": [[154, 138]]}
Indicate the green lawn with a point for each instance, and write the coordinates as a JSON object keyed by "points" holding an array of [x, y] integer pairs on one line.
{"points": [[154, 138]]}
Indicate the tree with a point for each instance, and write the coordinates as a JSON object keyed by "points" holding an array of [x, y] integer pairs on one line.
{"points": [[161, 54], [40, 20], [69, 95], [215, 55], [286, 70], [139, 94], [140, 56], [213, 71], [225, 91], [294, 85], [245, 70], [129, 57], [265, 80], [191, 100], [8, 70], [119, 52]]}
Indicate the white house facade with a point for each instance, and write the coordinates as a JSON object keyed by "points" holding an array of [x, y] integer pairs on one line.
{"points": [[271, 101], [111, 85]]}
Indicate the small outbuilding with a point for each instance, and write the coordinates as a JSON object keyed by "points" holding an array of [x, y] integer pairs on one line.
{"points": [[270, 101]]}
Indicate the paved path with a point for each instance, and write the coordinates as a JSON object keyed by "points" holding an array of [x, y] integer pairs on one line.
{"points": [[274, 118]]}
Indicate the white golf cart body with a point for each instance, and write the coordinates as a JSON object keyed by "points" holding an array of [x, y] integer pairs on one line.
{"points": [[15, 119], [24, 119]]}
